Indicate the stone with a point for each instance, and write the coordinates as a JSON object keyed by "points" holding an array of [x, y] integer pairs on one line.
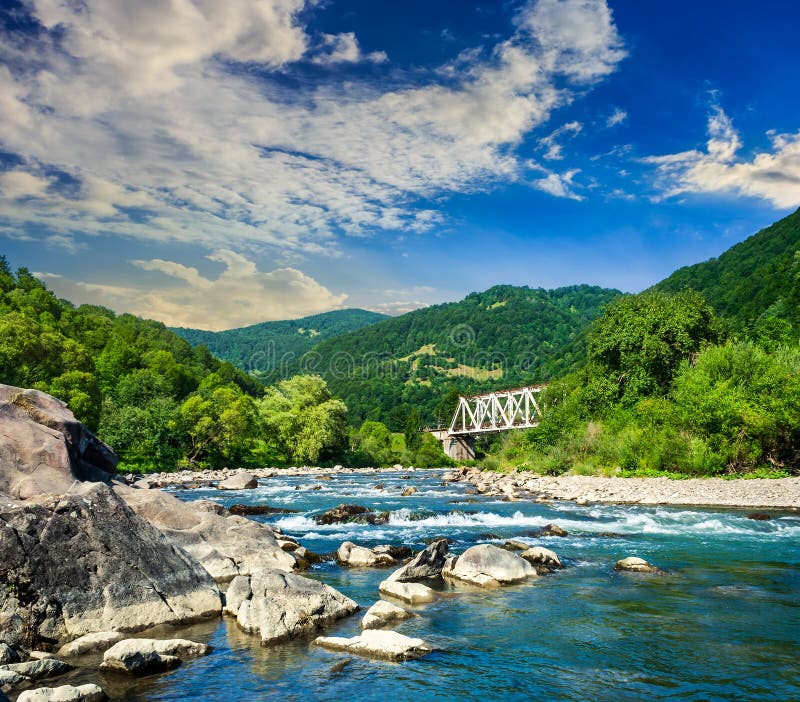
{"points": [[387, 645], [239, 481], [141, 664], [341, 514], [383, 613], [759, 516], [255, 510], [635, 564], [44, 449], [8, 654], [412, 593], [283, 606], [150, 656], [352, 556], [514, 545], [542, 559], [9, 679], [408, 492], [428, 563], [238, 591], [65, 693], [488, 566], [96, 641], [225, 545], [85, 562], [553, 530], [39, 669], [396, 552]]}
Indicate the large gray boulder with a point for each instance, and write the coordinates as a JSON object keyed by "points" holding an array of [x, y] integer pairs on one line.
{"points": [[241, 480], [225, 545], [427, 564], [488, 566], [44, 449], [352, 556], [85, 562], [282, 606]]}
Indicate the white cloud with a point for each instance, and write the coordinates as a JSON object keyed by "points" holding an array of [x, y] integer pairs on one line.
{"points": [[148, 108], [772, 175], [344, 48], [18, 185], [558, 184], [618, 116], [550, 143], [239, 296]]}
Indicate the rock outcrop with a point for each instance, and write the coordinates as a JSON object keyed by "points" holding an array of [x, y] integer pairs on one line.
{"points": [[280, 606], [225, 545], [388, 645], [488, 566], [85, 562], [44, 449]]}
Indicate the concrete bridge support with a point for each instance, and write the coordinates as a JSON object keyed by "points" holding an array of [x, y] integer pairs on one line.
{"points": [[460, 447]]}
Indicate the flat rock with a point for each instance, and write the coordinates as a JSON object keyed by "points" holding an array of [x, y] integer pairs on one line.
{"points": [[488, 566], [240, 481], [39, 669], [96, 641], [348, 554], [150, 656], [634, 564], [387, 645], [383, 613], [283, 606], [65, 693], [413, 593]]}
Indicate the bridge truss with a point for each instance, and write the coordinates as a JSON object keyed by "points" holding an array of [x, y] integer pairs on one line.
{"points": [[497, 411]]}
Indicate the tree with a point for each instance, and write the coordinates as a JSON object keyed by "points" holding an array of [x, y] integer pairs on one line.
{"points": [[412, 432], [82, 394]]}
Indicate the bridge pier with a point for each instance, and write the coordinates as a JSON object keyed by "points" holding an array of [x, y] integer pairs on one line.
{"points": [[460, 447]]}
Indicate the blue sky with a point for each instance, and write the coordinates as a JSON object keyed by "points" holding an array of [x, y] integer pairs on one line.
{"points": [[219, 164]]}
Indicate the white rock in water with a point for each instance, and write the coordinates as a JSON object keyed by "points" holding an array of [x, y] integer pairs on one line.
{"points": [[383, 613], [147, 656], [97, 641], [542, 558], [65, 693], [354, 556], [240, 481], [36, 670], [637, 565], [388, 645], [488, 566], [413, 593]]}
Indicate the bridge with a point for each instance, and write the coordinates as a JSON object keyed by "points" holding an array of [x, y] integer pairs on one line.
{"points": [[487, 413]]}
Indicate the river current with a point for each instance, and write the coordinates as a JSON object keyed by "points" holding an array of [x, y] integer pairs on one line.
{"points": [[723, 625]]}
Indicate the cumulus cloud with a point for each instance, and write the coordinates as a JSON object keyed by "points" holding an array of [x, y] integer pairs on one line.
{"points": [[772, 175], [238, 296], [168, 121], [558, 184], [344, 48]]}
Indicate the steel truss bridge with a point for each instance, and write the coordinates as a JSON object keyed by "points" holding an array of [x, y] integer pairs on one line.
{"points": [[496, 411]]}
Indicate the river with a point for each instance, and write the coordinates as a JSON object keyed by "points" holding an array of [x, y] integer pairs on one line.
{"points": [[724, 625]]}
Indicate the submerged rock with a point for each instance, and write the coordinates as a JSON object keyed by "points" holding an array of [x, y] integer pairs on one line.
{"points": [[256, 510], [282, 606], [388, 645], [342, 513], [64, 693], [759, 516], [635, 564], [487, 566], [383, 613], [553, 530], [354, 556], [242, 480]]}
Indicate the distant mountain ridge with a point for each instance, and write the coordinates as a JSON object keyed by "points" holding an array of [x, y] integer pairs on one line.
{"points": [[759, 276], [263, 348]]}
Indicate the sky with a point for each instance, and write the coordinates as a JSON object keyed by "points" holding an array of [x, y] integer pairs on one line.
{"points": [[217, 164]]}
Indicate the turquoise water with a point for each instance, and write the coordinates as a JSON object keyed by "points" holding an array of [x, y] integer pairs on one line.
{"points": [[725, 625]]}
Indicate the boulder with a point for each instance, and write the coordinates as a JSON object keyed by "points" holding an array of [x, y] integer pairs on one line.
{"points": [[39, 669], [553, 530], [542, 559], [514, 545], [408, 492], [150, 656], [141, 664], [354, 556], [759, 516], [97, 641], [255, 510], [635, 564], [65, 693], [85, 562], [383, 613], [9, 654], [10, 679], [44, 449], [238, 591], [488, 566], [413, 593], [342, 513], [225, 545], [283, 606], [240, 481], [387, 645], [396, 552], [428, 563]]}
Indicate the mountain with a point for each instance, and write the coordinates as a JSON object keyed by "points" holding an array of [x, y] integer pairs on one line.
{"points": [[503, 337], [264, 349], [759, 276]]}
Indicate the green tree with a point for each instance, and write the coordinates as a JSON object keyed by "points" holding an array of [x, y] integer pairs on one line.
{"points": [[81, 392], [412, 431]]}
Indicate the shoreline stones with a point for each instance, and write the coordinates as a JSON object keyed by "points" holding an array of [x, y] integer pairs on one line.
{"points": [[376, 643]]}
